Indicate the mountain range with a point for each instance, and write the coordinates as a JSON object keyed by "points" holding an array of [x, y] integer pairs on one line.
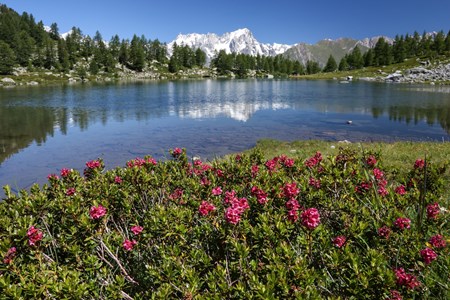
{"points": [[243, 41]]}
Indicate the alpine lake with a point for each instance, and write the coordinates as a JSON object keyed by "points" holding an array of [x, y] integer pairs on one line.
{"points": [[44, 129]]}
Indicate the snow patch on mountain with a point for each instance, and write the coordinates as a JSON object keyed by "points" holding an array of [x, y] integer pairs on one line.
{"points": [[240, 41]]}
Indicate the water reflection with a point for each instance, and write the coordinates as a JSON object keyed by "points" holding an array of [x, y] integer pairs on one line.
{"points": [[31, 115]]}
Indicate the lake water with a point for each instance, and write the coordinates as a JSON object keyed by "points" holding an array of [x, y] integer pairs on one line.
{"points": [[44, 129]]}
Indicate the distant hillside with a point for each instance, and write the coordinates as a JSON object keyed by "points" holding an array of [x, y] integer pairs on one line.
{"points": [[321, 51]]}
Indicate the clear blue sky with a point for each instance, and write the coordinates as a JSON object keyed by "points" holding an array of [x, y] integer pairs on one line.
{"points": [[277, 21]]}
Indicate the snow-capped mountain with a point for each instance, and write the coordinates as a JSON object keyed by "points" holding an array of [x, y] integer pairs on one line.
{"points": [[239, 41]]}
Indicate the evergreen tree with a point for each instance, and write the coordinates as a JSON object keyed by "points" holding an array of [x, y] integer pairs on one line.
{"points": [[298, 68], [124, 54], [331, 65], [7, 58], [63, 56], [398, 49], [23, 47], [368, 58], [355, 59], [114, 47], [200, 57], [447, 42], [54, 31], [312, 67], [137, 54], [439, 43], [343, 65]]}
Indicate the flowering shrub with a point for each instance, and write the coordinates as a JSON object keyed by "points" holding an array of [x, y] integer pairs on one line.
{"points": [[337, 227]]}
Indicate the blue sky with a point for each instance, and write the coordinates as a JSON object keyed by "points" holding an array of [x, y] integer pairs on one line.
{"points": [[277, 21]]}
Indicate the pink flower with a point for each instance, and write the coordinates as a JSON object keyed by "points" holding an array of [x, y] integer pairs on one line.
{"points": [[229, 197], [177, 194], [70, 191], [260, 195], [405, 279], [419, 164], [310, 218], [52, 177], [34, 235], [378, 174], [432, 210], [402, 223], [292, 204], [437, 241], [384, 232], [96, 212], [93, 164], [217, 191], [10, 255], [290, 190], [400, 190], [395, 295], [314, 182], [255, 170], [232, 215], [219, 173], [137, 229], [293, 215], [65, 172], [205, 181], [272, 164], [176, 152], [205, 208], [382, 191], [118, 179], [313, 161], [128, 245], [428, 255], [339, 241], [371, 161]]}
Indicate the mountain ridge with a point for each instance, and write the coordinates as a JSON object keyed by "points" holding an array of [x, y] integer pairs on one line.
{"points": [[242, 41]]}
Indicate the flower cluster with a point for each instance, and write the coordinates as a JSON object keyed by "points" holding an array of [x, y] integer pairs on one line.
{"points": [[65, 172], [314, 160], [93, 164], [405, 279], [140, 162], [314, 182], [371, 161], [205, 208], [176, 152], [339, 241], [419, 164], [310, 218], [384, 232], [395, 295], [290, 190], [400, 190], [136, 229], [428, 255], [34, 235], [402, 223], [128, 245], [237, 208], [260, 195], [432, 211], [10, 255], [437, 241], [96, 212]]}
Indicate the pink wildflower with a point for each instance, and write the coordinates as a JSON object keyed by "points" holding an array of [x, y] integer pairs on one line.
{"points": [[255, 170], [432, 210], [217, 191], [314, 182], [52, 177], [260, 195], [219, 173], [314, 160], [34, 235], [382, 191], [292, 204], [419, 164], [10, 255], [437, 241], [384, 232], [428, 255], [290, 190], [293, 215], [400, 190], [128, 245], [118, 179], [339, 241], [395, 295], [65, 172], [93, 164], [176, 152], [205, 208], [177, 194], [402, 223], [378, 174], [310, 218], [371, 161], [70, 191], [405, 279], [205, 181], [137, 229], [232, 215], [96, 212]]}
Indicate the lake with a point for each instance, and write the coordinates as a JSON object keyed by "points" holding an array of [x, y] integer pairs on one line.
{"points": [[44, 129]]}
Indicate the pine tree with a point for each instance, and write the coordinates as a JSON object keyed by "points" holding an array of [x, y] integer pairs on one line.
{"points": [[23, 47], [355, 60], [200, 57], [331, 65], [398, 49], [7, 58], [439, 43], [343, 65], [54, 31], [63, 56], [368, 58], [447, 42], [312, 67], [137, 54]]}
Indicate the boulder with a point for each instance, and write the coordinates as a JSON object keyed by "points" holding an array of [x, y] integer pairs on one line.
{"points": [[8, 81]]}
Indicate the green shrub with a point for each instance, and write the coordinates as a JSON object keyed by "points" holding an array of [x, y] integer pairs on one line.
{"points": [[340, 227]]}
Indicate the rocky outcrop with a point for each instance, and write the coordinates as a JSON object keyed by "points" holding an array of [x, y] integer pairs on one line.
{"points": [[432, 74]]}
